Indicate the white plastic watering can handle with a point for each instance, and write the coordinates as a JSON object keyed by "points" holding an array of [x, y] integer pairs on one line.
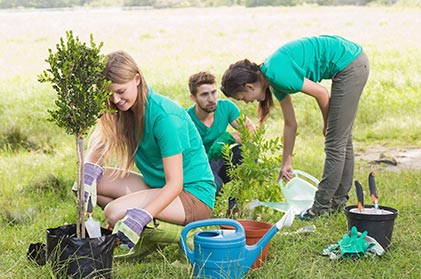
{"points": [[302, 173], [203, 223]]}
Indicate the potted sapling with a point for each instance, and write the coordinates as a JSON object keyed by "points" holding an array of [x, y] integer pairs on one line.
{"points": [[76, 74]]}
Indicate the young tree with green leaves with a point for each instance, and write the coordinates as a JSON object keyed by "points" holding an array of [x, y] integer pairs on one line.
{"points": [[256, 176], [77, 75]]}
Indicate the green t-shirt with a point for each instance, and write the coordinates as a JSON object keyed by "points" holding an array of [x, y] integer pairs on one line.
{"points": [[314, 58], [170, 131], [225, 113]]}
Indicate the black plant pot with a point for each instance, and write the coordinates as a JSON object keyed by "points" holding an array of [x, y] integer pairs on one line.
{"points": [[73, 257], [378, 226]]}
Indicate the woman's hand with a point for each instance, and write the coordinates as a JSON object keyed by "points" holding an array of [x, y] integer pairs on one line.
{"points": [[285, 173]]}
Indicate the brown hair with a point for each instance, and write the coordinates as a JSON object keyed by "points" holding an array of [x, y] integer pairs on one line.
{"points": [[199, 79], [237, 76], [119, 133]]}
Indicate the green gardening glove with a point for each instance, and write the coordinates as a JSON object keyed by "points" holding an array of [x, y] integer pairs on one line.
{"points": [[353, 245], [215, 152]]}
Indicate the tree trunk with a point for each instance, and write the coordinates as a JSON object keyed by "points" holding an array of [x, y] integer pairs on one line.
{"points": [[80, 224]]}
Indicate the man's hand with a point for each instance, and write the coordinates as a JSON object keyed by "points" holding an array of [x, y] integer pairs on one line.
{"points": [[215, 152]]}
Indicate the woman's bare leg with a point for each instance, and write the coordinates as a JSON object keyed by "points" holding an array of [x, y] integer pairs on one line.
{"points": [[117, 194], [116, 210], [112, 187]]}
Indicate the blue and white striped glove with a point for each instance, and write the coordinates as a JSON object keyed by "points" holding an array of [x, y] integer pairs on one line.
{"points": [[131, 226], [92, 174]]}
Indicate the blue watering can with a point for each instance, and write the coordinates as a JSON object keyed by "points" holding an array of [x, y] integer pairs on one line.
{"points": [[223, 254]]}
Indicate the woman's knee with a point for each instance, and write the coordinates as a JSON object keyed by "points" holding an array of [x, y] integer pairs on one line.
{"points": [[113, 213]]}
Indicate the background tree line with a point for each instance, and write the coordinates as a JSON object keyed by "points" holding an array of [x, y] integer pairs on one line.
{"points": [[13, 4]]}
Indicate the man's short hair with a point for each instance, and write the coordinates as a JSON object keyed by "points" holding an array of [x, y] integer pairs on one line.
{"points": [[199, 79]]}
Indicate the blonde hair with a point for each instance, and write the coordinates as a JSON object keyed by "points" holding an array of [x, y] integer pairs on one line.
{"points": [[118, 133]]}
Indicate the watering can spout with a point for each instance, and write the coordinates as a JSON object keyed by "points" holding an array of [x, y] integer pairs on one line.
{"points": [[254, 251]]}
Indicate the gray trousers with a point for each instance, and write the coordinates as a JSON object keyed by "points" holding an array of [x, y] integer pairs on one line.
{"points": [[338, 171]]}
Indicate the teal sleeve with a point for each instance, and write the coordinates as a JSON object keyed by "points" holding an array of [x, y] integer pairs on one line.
{"points": [[284, 75], [172, 135], [234, 112]]}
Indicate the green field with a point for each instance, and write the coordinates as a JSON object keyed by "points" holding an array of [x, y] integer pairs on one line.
{"points": [[38, 160]]}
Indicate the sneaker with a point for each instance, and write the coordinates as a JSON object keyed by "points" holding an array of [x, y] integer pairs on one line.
{"points": [[307, 215]]}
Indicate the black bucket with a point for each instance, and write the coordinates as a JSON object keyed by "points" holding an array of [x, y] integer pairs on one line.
{"points": [[378, 226], [73, 257]]}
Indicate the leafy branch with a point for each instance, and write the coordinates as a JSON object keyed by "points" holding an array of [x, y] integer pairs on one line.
{"points": [[256, 176]]}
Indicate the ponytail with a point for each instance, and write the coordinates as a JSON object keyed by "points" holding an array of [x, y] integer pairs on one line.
{"points": [[264, 108]]}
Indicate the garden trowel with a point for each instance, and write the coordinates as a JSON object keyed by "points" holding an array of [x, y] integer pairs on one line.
{"points": [[373, 192], [92, 226], [360, 195]]}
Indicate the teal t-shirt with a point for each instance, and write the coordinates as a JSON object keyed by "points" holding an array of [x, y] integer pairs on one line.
{"points": [[169, 131], [225, 113], [314, 58]]}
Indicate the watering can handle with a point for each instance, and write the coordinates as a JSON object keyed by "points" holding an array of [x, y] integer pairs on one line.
{"points": [[306, 175], [203, 223]]}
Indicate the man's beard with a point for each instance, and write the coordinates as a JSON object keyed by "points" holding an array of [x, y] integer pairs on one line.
{"points": [[207, 109]]}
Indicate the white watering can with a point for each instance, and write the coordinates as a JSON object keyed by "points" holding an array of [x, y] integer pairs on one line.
{"points": [[298, 193]]}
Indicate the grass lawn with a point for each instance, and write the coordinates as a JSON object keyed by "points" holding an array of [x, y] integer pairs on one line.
{"points": [[38, 161]]}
